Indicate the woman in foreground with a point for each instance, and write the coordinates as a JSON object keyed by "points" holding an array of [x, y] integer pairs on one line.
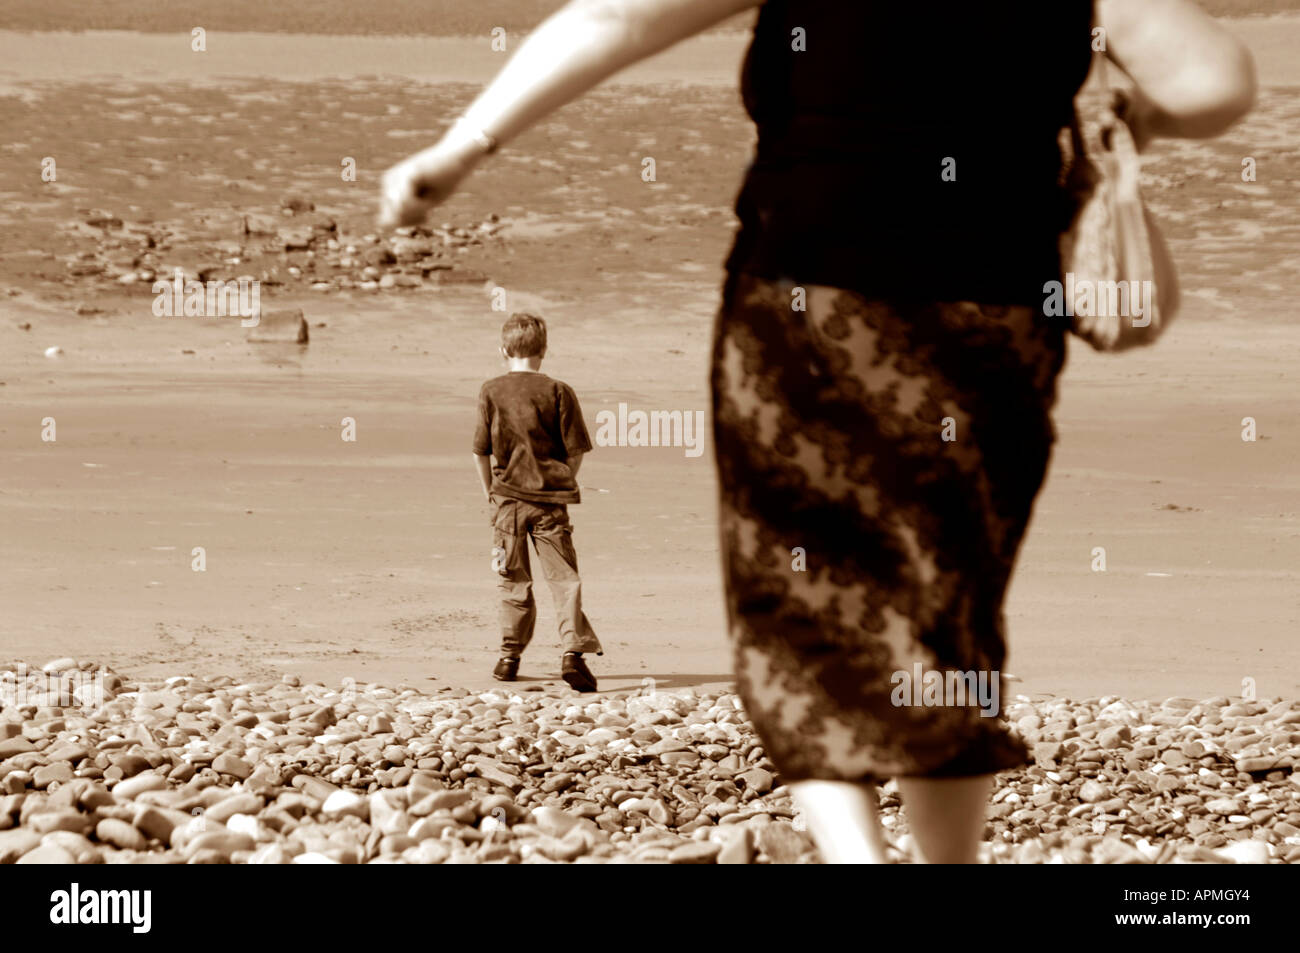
{"points": [[883, 375]]}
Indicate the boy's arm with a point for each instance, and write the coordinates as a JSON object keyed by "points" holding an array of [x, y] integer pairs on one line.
{"points": [[482, 448], [573, 429], [484, 465]]}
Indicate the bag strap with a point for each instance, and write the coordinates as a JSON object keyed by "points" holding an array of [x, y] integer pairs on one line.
{"points": [[1076, 130], [1099, 57]]}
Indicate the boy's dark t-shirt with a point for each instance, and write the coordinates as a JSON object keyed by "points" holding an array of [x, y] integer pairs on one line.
{"points": [[532, 424]]}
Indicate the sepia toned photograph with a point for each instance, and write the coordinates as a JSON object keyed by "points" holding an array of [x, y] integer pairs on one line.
{"points": [[649, 431]]}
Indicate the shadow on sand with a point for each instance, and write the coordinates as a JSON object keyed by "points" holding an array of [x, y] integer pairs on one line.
{"points": [[664, 682]]}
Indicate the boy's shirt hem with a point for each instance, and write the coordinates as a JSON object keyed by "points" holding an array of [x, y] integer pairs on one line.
{"points": [[535, 496]]}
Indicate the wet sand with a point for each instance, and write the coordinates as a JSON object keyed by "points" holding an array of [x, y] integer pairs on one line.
{"points": [[41, 57]]}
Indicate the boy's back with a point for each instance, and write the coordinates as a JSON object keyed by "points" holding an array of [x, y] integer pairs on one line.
{"points": [[532, 424]]}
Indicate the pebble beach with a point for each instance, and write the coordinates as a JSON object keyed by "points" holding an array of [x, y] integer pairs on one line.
{"points": [[96, 767]]}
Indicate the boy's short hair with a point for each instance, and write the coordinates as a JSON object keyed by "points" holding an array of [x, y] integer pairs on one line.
{"points": [[524, 335]]}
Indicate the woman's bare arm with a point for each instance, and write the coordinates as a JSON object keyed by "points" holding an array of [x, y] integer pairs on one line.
{"points": [[582, 44], [572, 51], [1194, 78]]}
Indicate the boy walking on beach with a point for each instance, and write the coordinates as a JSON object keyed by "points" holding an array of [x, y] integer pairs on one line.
{"points": [[533, 425]]}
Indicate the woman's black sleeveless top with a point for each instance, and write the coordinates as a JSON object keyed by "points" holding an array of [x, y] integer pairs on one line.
{"points": [[910, 149]]}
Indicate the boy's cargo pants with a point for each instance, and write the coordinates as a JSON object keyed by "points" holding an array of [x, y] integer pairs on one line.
{"points": [[513, 522]]}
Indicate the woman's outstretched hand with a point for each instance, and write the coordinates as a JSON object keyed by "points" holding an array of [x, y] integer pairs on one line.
{"points": [[578, 46], [419, 183]]}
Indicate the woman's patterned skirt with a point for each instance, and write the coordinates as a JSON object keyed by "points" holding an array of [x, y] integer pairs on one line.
{"points": [[878, 463]]}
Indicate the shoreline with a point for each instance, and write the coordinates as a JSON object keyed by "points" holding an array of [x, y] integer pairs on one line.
{"points": [[732, 25], [711, 58]]}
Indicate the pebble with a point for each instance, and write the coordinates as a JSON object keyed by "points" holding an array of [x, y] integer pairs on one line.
{"points": [[427, 827], [1093, 791], [1223, 806], [345, 803], [270, 854], [223, 842], [553, 821], [15, 746], [249, 825], [228, 807], [781, 843], [52, 774], [442, 801], [313, 857], [79, 846], [119, 833], [757, 780], [47, 854], [738, 848], [226, 763], [158, 823], [702, 852], [432, 852], [1047, 753], [317, 788], [15, 843], [386, 813], [1114, 736], [46, 822], [558, 782], [208, 770], [133, 787], [1254, 765], [562, 850]]}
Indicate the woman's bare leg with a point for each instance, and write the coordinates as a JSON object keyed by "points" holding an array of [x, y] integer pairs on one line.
{"points": [[842, 820], [946, 816]]}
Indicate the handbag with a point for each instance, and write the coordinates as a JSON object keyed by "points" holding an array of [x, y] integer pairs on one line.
{"points": [[1118, 282]]}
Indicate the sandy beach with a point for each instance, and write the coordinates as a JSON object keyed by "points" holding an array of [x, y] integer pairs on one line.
{"points": [[371, 559]]}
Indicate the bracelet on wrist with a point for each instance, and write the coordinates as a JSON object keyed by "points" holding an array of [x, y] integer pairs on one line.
{"points": [[486, 143]]}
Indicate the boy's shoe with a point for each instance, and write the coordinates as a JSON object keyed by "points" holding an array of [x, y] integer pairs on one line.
{"points": [[574, 671], [507, 669]]}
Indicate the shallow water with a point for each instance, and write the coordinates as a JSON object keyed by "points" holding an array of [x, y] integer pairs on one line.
{"points": [[42, 57], [710, 59]]}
